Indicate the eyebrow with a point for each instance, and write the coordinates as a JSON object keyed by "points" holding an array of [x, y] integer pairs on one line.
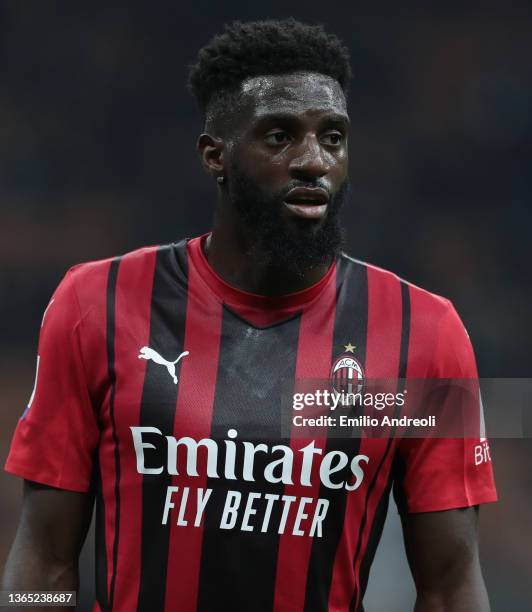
{"points": [[333, 117]]}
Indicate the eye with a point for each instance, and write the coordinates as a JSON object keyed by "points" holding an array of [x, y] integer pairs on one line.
{"points": [[333, 138], [276, 138]]}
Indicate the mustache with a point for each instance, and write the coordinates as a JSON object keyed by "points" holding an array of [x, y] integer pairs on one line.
{"points": [[341, 192], [307, 185]]}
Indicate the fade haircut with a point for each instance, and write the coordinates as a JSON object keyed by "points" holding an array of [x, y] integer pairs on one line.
{"points": [[255, 48]]}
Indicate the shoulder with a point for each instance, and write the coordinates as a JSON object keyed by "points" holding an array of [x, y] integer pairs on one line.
{"points": [[94, 271], [382, 283], [437, 339], [85, 287]]}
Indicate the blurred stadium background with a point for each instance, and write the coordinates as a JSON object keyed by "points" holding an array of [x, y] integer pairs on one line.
{"points": [[97, 158]]}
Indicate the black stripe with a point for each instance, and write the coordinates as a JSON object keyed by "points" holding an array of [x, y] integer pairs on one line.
{"points": [[403, 361], [158, 404], [179, 261], [374, 537], [398, 491], [350, 326], [100, 555], [405, 330], [111, 329], [238, 568]]}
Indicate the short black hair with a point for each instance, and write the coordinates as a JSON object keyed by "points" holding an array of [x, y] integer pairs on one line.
{"points": [[254, 48]]}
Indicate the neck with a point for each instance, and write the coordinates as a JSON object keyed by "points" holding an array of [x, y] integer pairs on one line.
{"points": [[230, 258]]}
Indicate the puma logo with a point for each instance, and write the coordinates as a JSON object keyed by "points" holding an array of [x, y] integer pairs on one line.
{"points": [[148, 353]]}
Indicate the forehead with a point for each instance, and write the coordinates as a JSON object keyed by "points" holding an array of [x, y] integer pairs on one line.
{"points": [[300, 92]]}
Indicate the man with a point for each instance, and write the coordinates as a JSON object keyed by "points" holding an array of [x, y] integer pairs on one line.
{"points": [[161, 373]]}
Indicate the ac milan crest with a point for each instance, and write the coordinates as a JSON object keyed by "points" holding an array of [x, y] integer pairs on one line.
{"points": [[347, 374]]}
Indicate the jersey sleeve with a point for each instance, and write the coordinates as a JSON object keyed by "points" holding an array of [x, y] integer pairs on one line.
{"points": [[445, 473], [57, 434]]}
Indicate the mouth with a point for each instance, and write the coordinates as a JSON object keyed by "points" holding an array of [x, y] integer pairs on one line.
{"points": [[307, 202]]}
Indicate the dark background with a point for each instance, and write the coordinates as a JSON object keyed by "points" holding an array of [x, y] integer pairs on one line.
{"points": [[97, 137]]}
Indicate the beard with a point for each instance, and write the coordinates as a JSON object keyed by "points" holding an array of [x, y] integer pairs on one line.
{"points": [[293, 245]]}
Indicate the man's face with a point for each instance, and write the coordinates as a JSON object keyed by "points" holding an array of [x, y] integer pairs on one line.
{"points": [[286, 167]]}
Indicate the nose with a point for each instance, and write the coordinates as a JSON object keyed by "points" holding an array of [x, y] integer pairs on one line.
{"points": [[310, 160]]}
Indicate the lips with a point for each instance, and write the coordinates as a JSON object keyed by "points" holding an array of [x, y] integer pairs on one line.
{"points": [[307, 202]]}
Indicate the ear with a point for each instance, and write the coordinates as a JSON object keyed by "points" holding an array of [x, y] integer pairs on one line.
{"points": [[211, 152]]}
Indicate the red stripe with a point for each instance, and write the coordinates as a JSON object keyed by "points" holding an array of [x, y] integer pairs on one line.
{"points": [[92, 290], [135, 277], [384, 324], [316, 330], [423, 340], [193, 418], [382, 361]]}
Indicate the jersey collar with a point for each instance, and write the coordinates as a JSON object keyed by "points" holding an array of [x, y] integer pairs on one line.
{"points": [[261, 310]]}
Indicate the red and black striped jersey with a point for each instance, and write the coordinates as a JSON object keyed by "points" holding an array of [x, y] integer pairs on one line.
{"points": [[158, 387]]}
